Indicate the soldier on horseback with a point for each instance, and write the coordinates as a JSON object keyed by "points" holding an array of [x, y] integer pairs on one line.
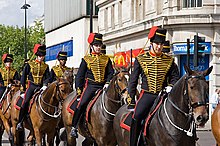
{"points": [[57, 71], [158, 71], [95, 72], [38, 77], [7, 73]]}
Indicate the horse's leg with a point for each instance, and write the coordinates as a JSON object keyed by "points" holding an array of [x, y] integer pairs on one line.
{"points": [[70, 140], [38, 136], [57, 136], [50, 139], [87, 142], [1, 134], [8, 130]]}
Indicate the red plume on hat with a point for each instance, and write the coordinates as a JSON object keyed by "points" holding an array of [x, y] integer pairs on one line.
{"points": [[4, 56], [152, 32], [36, 46], [91, 38]]}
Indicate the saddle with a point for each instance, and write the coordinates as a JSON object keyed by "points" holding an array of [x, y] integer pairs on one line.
{"points": [[73, 104], [126, 122], [20, 100]]}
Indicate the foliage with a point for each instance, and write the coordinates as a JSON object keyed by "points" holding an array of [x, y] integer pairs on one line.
{"points": [[12, 41]]}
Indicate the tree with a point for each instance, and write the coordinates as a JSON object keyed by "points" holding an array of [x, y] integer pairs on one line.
{"points": [[12, 41]]}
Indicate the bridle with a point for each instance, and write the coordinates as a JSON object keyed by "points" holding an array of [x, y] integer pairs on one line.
{"points": [[57, 109], [189, 115], [120, 92]]}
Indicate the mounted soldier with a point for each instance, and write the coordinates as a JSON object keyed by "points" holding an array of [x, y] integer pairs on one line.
{"points": [[38, 75], [95, 72], [158, 71], [58, 70], [7, 73]]}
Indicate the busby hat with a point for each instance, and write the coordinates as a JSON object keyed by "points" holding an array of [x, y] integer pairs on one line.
{"points": [[157, 35], [62, 55], [95, 38], [39, 50], [166, 47], [7, 58]]}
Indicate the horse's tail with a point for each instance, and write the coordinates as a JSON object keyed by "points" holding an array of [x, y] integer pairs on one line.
{"points": [[21, 137]]}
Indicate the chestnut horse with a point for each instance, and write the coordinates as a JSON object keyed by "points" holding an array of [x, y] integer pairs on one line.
{"points": [[69, 76], [215, 124], [45, 113], [99, 129], [174, 123], [5, 112]]}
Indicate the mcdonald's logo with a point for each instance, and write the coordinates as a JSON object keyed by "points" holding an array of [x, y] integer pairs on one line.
{"points": [[120, 59]]}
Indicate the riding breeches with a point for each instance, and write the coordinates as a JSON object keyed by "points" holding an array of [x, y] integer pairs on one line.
{"points": [[28, 94], [143, 105], [87, 95]]}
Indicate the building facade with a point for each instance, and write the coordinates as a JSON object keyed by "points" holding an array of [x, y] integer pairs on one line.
{"points": [[126, 23], [67, 26]]}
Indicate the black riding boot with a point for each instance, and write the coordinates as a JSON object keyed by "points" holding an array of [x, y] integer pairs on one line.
{"points": [[19, 127], [74, 130], [134, 132]]}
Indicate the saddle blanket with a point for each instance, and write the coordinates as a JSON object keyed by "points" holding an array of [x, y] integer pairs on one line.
{"points": [[74, 103], [20, 101], [126, 122]]}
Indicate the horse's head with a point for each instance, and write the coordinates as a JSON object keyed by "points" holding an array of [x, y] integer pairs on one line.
{"points": [[15, 85], [118, 85], [69, 76], [196, 92], [63, 88]]}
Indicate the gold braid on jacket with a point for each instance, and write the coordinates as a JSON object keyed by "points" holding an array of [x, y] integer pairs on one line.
{"points": [[155, 69], [7, 75], [37, 70], [97, 64]]}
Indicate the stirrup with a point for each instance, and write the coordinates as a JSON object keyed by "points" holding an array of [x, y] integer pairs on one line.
{"points": [[74, 132], [19, 127]]}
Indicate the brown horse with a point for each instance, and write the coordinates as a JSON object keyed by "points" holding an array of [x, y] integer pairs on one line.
{"points": [[215, 124], [187, 101], [5, 112], [45, 112], [69, 76], [99, 129]]}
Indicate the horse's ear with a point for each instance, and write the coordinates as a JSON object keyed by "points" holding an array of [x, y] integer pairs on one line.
{"points": [[117, 69], [188, 70], [207, 71]]}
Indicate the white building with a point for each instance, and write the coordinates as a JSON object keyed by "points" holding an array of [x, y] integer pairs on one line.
{"points": [[67, 27]]}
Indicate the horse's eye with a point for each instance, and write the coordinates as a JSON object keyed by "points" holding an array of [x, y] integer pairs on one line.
{"points": [[191, 87], [120, 80]]}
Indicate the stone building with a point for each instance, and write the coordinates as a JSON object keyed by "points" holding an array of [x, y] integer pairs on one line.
{"points": [[126, 23]]}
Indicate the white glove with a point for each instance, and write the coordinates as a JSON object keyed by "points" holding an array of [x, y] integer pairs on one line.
{"points": [[43, 88], [22, 95], [9, 85], [168, 89], [105, 86]]}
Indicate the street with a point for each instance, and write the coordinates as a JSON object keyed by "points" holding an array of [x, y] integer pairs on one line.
{"points": [[205, 138]]}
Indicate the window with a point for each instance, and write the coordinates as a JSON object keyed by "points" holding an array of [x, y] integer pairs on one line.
{"points": [[192, 3]]}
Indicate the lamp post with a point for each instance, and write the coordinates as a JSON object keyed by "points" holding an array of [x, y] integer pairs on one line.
{"points": [[25, 7]]}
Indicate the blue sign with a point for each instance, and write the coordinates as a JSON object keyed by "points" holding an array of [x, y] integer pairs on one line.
{"points": [[181, 48], [52, 51], [203, 64]]}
